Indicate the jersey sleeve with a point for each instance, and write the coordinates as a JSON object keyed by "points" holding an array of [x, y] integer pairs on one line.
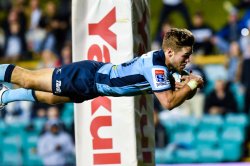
{"points": [[158, 79]]}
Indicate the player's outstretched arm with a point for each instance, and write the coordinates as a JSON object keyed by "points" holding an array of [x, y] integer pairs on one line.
{"points": [[171, 99]]}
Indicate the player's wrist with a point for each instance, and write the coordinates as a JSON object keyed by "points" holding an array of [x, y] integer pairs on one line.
{"points": [[193, 84]]}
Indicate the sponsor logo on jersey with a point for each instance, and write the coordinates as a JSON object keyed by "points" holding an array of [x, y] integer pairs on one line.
{"points": [[160, 78], [160, 75], [58, 86]]}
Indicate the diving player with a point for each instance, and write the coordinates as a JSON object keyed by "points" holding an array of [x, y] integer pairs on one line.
{"points": [[84, 80]]}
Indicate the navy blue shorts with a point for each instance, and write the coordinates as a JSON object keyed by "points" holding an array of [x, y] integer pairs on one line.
{"points": [[76, 80]]}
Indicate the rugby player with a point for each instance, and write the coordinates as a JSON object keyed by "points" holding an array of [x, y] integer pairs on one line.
{"points": [[84, 80]]}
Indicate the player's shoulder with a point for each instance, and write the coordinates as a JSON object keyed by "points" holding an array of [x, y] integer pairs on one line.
{"points": [[152, 53], [158, 58], [154, 58]]}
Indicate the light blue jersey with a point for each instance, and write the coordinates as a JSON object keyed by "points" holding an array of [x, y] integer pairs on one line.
{"points": [[141, 75]]}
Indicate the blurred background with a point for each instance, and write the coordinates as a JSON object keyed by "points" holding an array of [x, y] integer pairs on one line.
{"points": [[213, 127]]}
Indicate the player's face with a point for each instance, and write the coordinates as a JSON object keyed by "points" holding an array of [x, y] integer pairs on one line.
{"points": [[180, 58]]}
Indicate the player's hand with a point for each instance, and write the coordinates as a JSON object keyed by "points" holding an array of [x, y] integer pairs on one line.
{"points": [[179, 85], [191, 76], [198, 79], [184, 81], [186, 78]]}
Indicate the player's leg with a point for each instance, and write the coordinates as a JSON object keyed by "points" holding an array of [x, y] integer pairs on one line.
{"points": [[50, 98], [21, 94], [30, 79], [76, 80], [33, 79]]}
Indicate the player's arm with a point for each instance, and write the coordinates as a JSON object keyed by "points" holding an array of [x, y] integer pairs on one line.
{"points": [[160, 83], [170, 99], [182, 81], [190, 96], [180, 85]]}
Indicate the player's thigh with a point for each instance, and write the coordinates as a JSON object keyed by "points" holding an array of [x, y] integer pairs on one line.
{"points": [[33, 79], [50, 98]]}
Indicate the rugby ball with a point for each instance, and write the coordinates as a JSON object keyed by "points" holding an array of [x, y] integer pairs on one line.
{"points": [[177, 77]]}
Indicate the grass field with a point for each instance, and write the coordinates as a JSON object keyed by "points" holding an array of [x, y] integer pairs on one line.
{"points": [[214, 12]]}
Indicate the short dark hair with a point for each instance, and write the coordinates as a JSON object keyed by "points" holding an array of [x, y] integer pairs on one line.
{"points": [[177, 38]]}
